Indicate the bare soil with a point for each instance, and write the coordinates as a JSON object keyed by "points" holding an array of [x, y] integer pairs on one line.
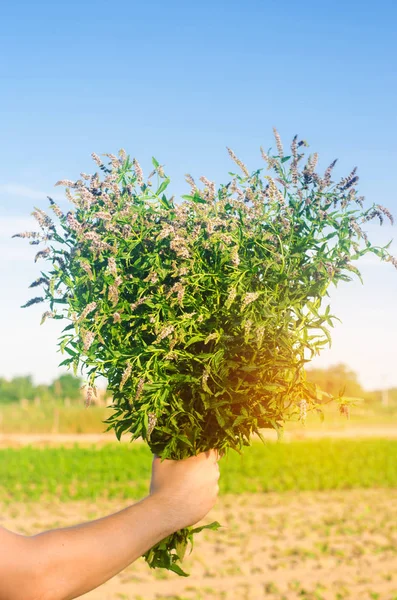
{"points": [[290, 546]]}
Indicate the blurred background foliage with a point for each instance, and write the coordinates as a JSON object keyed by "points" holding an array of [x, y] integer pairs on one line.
{"points": [[59, 407], [22, 388]]}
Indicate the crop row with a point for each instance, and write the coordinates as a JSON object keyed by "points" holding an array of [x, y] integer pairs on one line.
{"points": [[123, 471]]}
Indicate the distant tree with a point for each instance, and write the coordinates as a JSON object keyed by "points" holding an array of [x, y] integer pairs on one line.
{"points": [[22, 388], [376, 396], [66, 386], [336, 378], [43, 392], [4, 391], [18, 388]]}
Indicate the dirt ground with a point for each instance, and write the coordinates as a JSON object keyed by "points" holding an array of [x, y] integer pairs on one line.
{"points": [[290, 546]]}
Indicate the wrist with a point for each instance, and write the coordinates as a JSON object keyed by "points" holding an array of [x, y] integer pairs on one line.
{"points": [[161, 512]]}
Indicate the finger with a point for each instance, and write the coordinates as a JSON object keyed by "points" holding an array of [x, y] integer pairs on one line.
{"points": [[211, 454], [215, 455], [219, 454]]}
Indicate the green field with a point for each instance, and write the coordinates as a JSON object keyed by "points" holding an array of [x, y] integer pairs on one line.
{"points": [[123, 471], [52, 418], [55, 417]]}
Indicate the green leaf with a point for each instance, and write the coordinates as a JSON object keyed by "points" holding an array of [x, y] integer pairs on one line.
{"points": [[193, 340], [71, 352], [239, 420], [273, 387], [165, 202], [163, 186], [326, 332], [214, 526], [263, 440], [178, 570], [195, 198], [185, 439], [180, 547], [66, 362], [220, 419]]}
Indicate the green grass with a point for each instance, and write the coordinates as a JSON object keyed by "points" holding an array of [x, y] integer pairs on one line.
{"points": [[123, 471]]}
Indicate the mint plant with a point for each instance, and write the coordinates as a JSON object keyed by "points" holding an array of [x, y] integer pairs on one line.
{"points": [[199, 313]]}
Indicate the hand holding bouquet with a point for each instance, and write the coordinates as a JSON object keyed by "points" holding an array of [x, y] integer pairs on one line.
{"points": [[199, 313]]}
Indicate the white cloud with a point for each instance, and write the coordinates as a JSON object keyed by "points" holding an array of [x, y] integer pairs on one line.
{"points": [[13, 250], [372, 259], [10, 225], [16, 189]]}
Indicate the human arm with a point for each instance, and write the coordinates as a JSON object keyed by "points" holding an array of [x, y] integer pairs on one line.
{"points": [[63, 564]]}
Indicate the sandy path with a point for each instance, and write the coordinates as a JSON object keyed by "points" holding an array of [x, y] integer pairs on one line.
{"points": [[291, 546], [39, 439]]}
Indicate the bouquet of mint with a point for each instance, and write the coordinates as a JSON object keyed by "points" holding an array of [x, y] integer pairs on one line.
{"points": [[198, 313]]}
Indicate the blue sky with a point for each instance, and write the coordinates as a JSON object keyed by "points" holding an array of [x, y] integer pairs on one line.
{"points": [[181, 81]]}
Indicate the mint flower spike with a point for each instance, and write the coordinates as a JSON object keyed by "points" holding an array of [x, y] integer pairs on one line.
{"points": [[248, 298], [198, 312], [278, 143], [238, 162]]}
